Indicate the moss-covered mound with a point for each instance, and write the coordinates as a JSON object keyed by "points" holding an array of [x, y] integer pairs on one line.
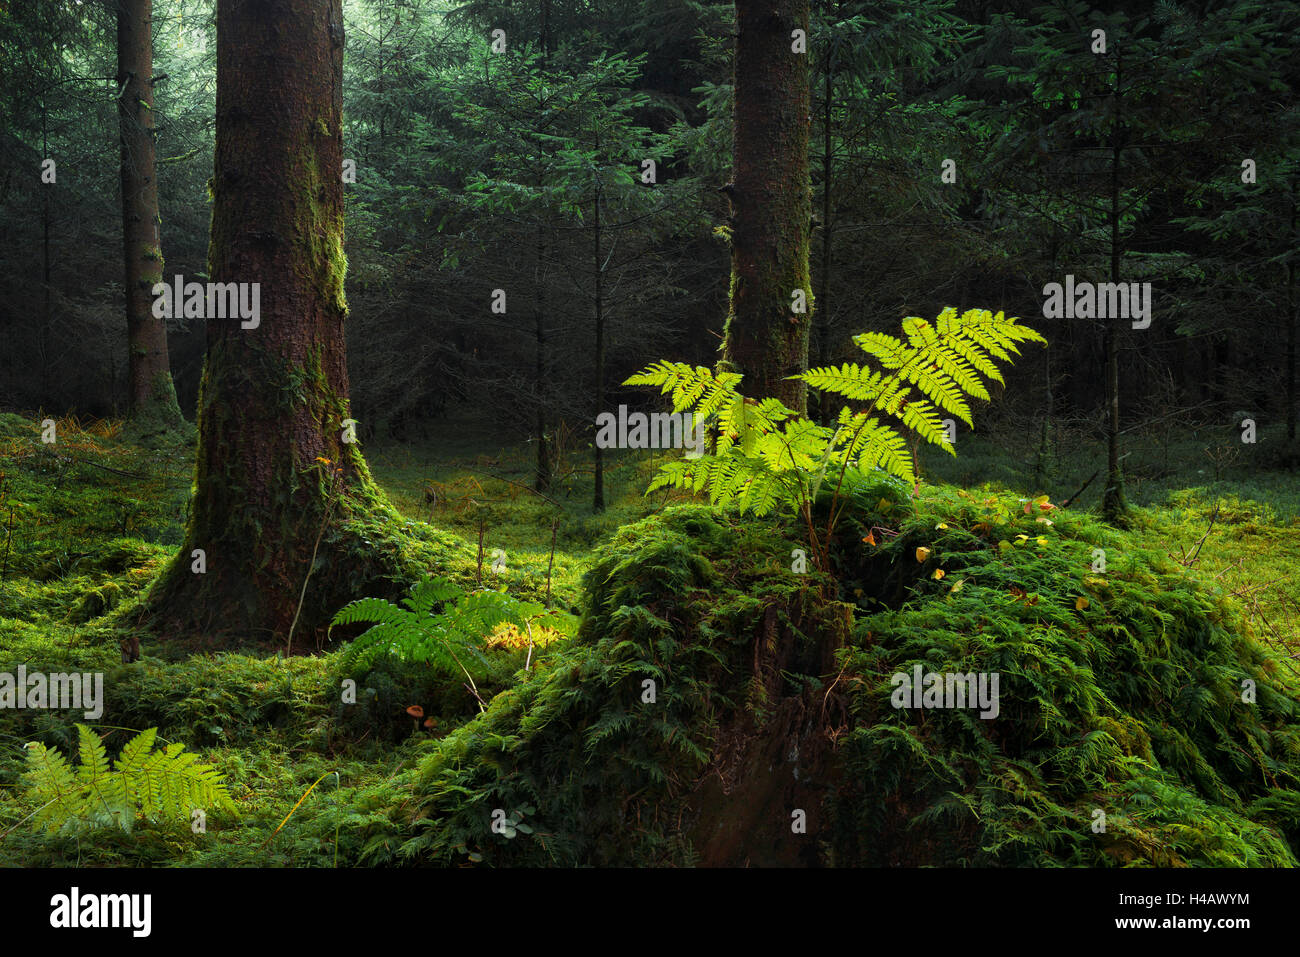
{"points": [[720, 708]]}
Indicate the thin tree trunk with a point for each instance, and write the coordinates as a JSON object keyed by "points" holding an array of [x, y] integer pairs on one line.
{"points": [[543, 478], [275, 466], [43, 340], [598, 500], [1114, 506], [152, 397], [1291, 320], [765, 339]]}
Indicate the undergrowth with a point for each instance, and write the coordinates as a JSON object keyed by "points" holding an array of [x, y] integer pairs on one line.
{"points": [[1121, 690]]}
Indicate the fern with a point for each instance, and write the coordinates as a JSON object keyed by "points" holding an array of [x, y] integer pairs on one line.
{"points": [[446, 639], [167, 783], [766, 457]]}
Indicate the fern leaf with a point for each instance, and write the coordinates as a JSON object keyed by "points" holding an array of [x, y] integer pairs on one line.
{"points": [[155, 784]]}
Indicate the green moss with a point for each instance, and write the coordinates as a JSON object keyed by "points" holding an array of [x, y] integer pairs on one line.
{"points": [[96, 603], [159, 421], [1120, 693], [16, 426]]}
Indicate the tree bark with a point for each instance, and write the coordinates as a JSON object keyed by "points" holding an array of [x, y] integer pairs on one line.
{"points": [[771, 202], [1114, 505], [152, 399], [1291, 339], [280, 494], [828, 178], [598, 497]]}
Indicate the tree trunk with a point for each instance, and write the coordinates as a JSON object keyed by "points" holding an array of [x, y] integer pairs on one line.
{"points": [[43, 340], [1114, 505], [152, 399], [828, 176], [542, 480], [1291, 340], [771, 203], [598, 499], [280, 492]]}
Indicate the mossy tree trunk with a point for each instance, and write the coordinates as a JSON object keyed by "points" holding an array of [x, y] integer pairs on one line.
{"points": [[152, 394], [277, 483], [771, 202]]}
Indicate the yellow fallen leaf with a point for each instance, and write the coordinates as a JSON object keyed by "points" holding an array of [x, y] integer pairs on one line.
{"points": [[922, 553], [1041, 540], [1080, 603], [942, 525]]}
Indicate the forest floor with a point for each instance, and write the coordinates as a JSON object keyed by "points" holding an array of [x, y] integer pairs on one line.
{"points": [[85, 526]]}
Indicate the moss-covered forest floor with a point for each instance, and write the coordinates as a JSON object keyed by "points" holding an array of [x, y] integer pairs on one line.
{"points": [[85, 526]]}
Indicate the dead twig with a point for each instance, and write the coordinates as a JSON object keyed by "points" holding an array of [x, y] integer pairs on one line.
{"points": [[1066, 503]]}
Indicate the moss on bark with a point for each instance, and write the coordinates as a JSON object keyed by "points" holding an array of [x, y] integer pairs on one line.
{"points": [[279, 494]]}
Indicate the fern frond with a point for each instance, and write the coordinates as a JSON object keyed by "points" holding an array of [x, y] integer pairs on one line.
{"points": [[143, 782], [367, 610], [850, 380], [430, 592], [766, 456]]}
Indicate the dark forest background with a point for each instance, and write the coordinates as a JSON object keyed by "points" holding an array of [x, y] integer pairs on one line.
{"points": [[628, 656], [525, 172]]}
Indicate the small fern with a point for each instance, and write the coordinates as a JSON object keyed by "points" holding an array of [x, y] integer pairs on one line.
{"points": [[766, 456], [168, 783], [445, 639]]}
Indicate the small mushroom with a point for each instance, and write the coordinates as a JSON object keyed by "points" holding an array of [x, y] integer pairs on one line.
{"points": [[416, 712]]}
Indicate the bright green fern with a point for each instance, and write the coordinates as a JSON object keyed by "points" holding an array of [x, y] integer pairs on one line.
{"points": [[766, 457], [168, 783], [440, 624]]}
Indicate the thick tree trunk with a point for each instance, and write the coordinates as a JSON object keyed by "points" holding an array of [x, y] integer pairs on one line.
{"points": [[828, 178], [152, 395], [279, 491], [765, 339]]}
